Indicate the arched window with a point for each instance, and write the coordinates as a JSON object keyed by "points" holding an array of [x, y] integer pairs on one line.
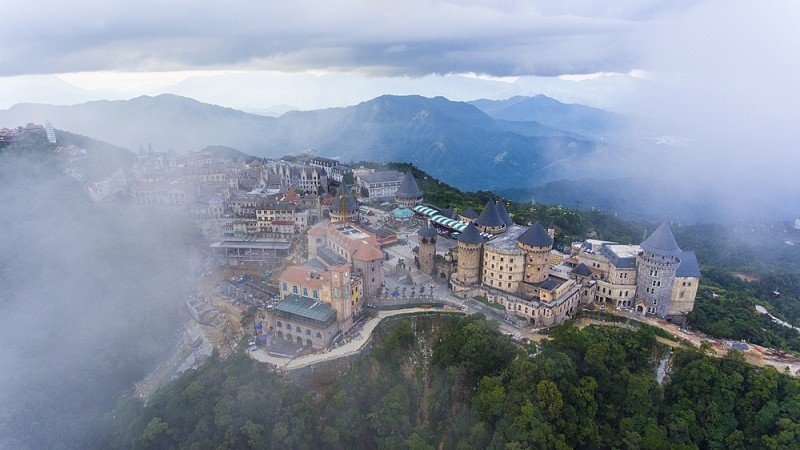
{"points": [[279, 324], [288, 326], [319, 335], [308, 332], [285, 287], [297, 329]]}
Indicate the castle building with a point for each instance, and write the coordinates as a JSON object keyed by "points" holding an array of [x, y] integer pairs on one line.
{"points": [[654, 278], [512, 265]]}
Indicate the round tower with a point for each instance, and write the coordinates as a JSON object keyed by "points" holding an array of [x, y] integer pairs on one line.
{"points": [[344, 203], [470, 244], [408, 193], [656, 263], [537, 245], [490, 221], [427, 249]]}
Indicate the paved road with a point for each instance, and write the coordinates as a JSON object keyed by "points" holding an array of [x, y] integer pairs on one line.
{"points": [[354, 346]]}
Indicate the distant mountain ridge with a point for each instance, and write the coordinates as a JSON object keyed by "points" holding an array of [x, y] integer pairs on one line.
{"points": [[574, 118], [453, 141]]}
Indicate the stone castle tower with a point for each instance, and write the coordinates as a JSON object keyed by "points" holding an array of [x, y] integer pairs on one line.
{"points": [[470, 243], [489, 221], [537, 244], [656, 263], [427, 249]]}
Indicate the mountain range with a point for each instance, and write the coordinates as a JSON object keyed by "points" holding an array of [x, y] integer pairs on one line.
{"points": [[484, 145]]}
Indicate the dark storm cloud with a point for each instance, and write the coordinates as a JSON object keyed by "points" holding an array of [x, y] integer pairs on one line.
{"points": [[387, 38]]}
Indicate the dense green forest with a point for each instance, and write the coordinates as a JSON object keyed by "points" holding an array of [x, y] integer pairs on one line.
{"points": [[463, 385]]}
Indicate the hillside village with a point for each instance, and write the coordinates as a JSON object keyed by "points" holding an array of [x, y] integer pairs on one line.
{"points": [[331, 239]]}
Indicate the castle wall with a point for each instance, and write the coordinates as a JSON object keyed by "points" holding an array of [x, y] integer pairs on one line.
{"points": [[469, 263], [503, 269], [684, 292]]}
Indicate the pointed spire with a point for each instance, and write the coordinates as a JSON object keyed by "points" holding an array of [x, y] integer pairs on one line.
{"points": [[501, 209], [661, 242], [408, 187], [489, 216]]}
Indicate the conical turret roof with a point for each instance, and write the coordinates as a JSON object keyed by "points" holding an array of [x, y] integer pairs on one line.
{"points": [[501, 209], [535, 236], [408, 187], [489, 216], [661, 242], [470, 214], [470, 235], [427, 230]]}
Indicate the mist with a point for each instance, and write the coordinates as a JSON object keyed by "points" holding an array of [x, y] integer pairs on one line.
{"points": [[90, 298]]}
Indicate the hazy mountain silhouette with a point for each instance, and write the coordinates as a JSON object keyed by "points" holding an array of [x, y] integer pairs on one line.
{"points": [[453, 141]]}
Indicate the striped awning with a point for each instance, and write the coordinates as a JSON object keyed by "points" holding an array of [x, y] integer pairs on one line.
{"points": [[449, 223], [425, 210]]}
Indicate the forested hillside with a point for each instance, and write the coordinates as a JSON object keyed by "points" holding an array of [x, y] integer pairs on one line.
{"points": [[463, 385]]}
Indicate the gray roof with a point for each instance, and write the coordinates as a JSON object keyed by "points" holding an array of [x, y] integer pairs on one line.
{"points": [[427, 230], [470, 213], [661, 242], [408, 188], [549, 284], [489, 216], [582, 270], [536, 236], [470, 235], [381, 177], [501, 209], [305, 310], [624, 261], [689, 267], [329, 256]]}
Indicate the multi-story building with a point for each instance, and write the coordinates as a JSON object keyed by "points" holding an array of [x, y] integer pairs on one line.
{"points": [[381, 184]]}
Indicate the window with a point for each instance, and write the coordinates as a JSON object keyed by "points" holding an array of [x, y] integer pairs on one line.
{"points": [[297, 329], [288, 326], [308, 332], [511, 260], [294, 289], [305, 292], [285, 288], [279, 324], [315, 294]]}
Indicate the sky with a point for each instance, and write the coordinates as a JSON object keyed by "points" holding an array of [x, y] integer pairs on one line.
{"points": [[719, 75]]}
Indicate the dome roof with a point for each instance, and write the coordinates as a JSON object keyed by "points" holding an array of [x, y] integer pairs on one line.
{"points": [[402, 211], [489, 216], [535, 236], [336, 204], [408, 187], [661, 242]]}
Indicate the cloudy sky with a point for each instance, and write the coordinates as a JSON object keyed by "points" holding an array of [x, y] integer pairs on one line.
{"points": [[595, 52], [720, 74]]}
